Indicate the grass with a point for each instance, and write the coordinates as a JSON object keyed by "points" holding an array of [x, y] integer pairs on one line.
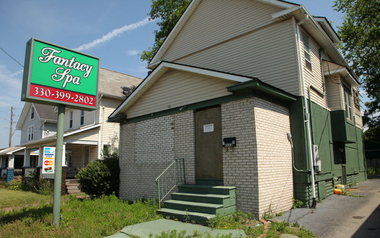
{"points": [[254, 228], [79, 218], [11, 199], [26, 214]]}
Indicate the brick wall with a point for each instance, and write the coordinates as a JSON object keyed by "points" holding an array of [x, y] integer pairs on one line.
{"points": [[260, 166], [184, 142], [148, 147], [274, 157], [240, 162]]}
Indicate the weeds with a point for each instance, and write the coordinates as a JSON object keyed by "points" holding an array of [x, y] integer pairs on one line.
{"points": [[79, 218], [297, 203], [254, 228]]}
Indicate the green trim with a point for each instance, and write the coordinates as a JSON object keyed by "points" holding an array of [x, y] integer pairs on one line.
{"points": [[324, 123], [117, 118], [256, 85], [343, 130]]}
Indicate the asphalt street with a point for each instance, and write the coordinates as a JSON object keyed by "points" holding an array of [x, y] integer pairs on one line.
{"points": [[355, 215]]}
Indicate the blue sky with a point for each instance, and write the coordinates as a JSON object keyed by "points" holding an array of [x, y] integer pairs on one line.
{"points": [[116, 31]]}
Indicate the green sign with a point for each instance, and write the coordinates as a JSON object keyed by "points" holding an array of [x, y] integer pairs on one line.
{"points": [[56, 75]]}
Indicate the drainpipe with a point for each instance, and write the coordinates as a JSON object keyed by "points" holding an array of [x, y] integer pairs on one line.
{"points": [[307, 116], [100, 121]]}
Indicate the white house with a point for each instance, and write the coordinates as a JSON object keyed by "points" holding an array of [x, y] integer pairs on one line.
{"points": [[86, 132]]}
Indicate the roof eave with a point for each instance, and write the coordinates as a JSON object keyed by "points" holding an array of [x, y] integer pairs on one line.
{"points": [[313, 28], [173, 33], [161, 69]]}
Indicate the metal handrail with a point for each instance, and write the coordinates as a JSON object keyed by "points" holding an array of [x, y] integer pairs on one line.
{"points": [[178, 179]]}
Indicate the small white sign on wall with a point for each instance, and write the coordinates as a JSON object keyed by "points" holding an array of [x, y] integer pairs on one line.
{"points": [[207, 128]]}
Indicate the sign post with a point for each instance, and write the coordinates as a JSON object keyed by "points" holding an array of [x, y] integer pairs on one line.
{"points": [[58, 165], [62, 77]]}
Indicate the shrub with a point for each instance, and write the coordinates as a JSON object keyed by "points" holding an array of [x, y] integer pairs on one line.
{"points": [[14, 185], [373, 171], [37, 185], [100, 177]]}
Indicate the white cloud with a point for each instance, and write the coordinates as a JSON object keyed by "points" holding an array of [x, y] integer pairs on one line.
{"points": [[17, 73], [133, 52], [9, 81], [110, 35]]}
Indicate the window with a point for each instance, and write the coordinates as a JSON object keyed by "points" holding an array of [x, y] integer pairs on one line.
{"points": [[32, 112], [306, 50], [356, 100], [81, 117], [71, 120], [30, 133], [348, 103]]}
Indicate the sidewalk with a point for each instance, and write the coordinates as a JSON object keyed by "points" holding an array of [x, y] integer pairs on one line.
{"points": [[155, 228], [356, 215]]}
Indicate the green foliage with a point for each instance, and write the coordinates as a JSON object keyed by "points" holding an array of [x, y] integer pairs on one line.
{"points": [[169, 12], [235, 221], [373, 171], [297, 203], [278, 228], [37, 185], [373, 132], [80, 218], [12, 199], [14, 185], [100, 177], [360, 34], [182, 234], [254, 228]]}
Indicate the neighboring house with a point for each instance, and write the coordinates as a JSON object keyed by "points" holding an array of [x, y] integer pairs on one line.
{"points": [[230, 92], [86, 132]]}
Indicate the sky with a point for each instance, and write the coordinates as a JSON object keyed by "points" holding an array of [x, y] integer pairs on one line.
{"points": [[116, 31]]}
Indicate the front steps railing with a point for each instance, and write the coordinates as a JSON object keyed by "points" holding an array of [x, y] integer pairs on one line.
{"points": [[169, 179]]}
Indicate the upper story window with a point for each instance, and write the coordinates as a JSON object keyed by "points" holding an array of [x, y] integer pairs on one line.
{"points": [[348, 102], [81, 118], [307, 50], [356, 100], [71, 119], [32, 112], [30, 133]]}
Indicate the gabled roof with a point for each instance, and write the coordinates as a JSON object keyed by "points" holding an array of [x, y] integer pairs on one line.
{"points": [[46, 112], [319, 27], [326, 26], [42, 111], [112, 82], [110, 85], [330, 68], [52, 139], [242, 81], [186, 15]]}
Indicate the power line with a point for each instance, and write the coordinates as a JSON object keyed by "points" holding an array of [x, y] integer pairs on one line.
{"points": [[10, 56]]}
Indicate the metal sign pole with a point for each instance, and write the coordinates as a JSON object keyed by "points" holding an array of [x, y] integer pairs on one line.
{"points": [[58, 165]]}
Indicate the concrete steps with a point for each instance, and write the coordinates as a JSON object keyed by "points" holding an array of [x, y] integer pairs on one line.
{"points": [[199, 203], [72, 186]]}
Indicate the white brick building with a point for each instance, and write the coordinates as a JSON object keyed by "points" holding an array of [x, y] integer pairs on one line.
{"points": [[250, 72]]}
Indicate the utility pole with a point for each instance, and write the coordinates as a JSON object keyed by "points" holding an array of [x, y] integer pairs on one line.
{"points": [[11, 128]]}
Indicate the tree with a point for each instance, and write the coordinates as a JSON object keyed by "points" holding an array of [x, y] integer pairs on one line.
{"points": [[169, 12], [360, 34]]}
